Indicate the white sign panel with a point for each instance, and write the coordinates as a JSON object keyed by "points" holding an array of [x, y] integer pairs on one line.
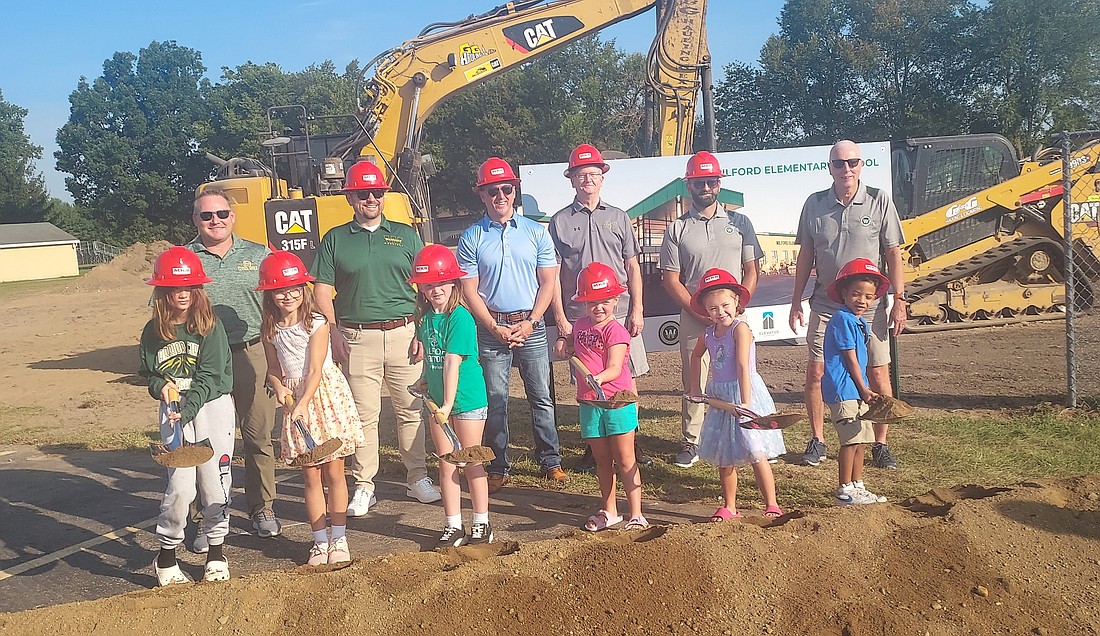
{"points": [[775, 183]]}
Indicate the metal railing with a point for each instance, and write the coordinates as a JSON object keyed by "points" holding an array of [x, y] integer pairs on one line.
{"points": [[90, 253]]}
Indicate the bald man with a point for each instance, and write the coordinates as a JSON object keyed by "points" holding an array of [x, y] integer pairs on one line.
{"points": [[847, 221]]}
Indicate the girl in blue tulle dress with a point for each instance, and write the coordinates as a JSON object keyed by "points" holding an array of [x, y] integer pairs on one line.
{"points": [[734, 379]]}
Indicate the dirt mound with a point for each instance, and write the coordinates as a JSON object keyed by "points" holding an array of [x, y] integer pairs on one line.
{"points": [[968, 560], [132, 265]]}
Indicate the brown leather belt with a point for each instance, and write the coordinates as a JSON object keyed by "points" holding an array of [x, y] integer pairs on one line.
{"points": [[244, 345], [384, 325], [511, 317]]}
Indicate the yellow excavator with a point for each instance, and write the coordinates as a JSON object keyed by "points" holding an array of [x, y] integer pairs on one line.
{"points": [[985, 232], [292, 209]]}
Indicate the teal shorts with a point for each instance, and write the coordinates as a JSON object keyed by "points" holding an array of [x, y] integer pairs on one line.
{"points": [[601, 422]]}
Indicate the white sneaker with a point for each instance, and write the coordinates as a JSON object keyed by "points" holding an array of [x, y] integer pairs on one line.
{"points": [[361, 502], [338, 551], [424, 491], [318, 554], [201, 545], [216, 571], [867, 494]]}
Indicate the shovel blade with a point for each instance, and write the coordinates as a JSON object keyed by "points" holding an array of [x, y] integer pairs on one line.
{"points": [[186, 456], [774, 422], [318, 452], [469, 455]]}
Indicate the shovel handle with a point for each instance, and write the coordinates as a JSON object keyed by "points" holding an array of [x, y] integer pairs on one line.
{"points": [[310, 442]]}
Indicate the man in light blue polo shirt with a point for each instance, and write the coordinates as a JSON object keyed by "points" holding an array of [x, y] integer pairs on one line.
{"points": [[511, 278]]}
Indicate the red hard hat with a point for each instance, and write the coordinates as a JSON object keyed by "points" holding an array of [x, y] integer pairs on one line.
{"points": [[435, 263], [178, 267], [364, 175], [495, 170], [585, 155], [597, 282], [703, 164], [717, 278], [282, 269], [856, 267]]}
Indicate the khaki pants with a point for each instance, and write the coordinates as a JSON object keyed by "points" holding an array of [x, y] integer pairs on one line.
{"points": [[256, 417], [691, 414], [383, 356]]}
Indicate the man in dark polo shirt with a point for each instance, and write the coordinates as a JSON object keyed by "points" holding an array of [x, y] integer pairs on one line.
{"points": [[367, 262], [234, 265], [590, 230]]}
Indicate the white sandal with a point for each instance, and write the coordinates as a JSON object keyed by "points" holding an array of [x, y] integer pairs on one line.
{"points": [[216, 571], [170, 576]]}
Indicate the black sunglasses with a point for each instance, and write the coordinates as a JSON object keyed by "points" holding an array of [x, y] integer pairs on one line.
{"points": [[507, 189], [709, 182], [839, 163], [377, 193], [222, 214]]}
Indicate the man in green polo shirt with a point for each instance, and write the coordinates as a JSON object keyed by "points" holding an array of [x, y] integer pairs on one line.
{"points": [[367, 262], [234, 265]]}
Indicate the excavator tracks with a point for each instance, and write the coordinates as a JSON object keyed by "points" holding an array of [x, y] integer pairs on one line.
{"points": [[971, 266]]}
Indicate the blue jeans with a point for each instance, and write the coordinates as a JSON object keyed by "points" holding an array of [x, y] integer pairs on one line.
{"points": [[533, 360]]}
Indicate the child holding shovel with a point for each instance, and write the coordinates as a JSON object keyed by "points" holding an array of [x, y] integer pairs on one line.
{"points": [[322, 425], [185, 352], [455, 382], [608, 422], [722, 441]]}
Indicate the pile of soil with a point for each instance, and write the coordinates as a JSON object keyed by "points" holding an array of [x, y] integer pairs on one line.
{"points": [[969, 560], [135, 264]]}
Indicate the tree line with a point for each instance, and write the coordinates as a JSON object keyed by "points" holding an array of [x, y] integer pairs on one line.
{"points": [[136, 141]]}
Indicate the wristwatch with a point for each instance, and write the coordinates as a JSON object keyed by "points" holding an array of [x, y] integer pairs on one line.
{"points": [[535, 324]]}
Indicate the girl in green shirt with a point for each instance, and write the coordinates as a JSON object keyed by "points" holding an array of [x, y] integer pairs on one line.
{"points": [[456, 383]]}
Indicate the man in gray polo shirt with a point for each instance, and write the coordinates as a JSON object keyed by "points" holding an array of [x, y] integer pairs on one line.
{"points": [[587, 231], [706, 236], [847, 221], [234, 265]]}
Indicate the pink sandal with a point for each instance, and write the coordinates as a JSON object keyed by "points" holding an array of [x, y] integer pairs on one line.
{"points": [[602, 520], [724, 514], [773, 512]]}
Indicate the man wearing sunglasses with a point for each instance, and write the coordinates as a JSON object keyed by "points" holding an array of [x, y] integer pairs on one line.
{"points": [[706, 236], [511, 278], [847, 221], [367, 263], [234, 265], [586, 231]]}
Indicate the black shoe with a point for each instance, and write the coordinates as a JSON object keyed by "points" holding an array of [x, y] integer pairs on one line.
{"points": [[881, 457], [815, 452], [588, 462], [451, 538], [480, 533], [641, 458], [687, 456]]}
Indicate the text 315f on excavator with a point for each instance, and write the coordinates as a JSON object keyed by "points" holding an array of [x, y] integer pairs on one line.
{"points": [[984, 232], [292, 209]]}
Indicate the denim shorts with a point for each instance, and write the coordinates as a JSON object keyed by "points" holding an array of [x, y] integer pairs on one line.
{"points": [[476, 414], [600, 422]]}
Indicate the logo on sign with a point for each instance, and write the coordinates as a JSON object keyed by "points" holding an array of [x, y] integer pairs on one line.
{"points": [[669, 333], [290, 271], [584, 155], [292, 227], [962, 210], [769, 321], [470, 52], [600, 284], [528, 36], [182, 270]]}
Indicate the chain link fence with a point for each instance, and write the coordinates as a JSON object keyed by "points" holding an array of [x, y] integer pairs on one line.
{"points": [[1081, 232]]}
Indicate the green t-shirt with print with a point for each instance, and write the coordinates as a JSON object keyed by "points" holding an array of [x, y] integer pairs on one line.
{"points": [[453, 333]]}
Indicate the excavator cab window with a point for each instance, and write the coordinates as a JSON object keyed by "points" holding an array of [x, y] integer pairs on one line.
{"points": [[948, 169], [901, 160]]}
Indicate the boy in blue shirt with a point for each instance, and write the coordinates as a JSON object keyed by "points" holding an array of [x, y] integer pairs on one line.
{"points": [[844, 386]]}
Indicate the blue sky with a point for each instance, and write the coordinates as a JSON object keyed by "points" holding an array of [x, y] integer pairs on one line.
{"points": [[49, 44]]}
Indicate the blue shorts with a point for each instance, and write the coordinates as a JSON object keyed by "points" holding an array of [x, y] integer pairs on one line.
{"points": [[601, 422], [476, 414]]}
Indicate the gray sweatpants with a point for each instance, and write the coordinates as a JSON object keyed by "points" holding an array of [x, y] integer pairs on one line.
{"points": [[212, 480]]}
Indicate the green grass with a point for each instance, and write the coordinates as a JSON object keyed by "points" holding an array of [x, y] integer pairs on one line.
{"points": [[19, 289], [932, 451]]}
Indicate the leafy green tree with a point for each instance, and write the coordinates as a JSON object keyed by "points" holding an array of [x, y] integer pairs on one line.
{"points": [[748, 114], [23, 196], [130, 143]]}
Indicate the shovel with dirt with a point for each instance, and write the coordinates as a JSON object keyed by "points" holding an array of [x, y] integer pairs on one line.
{"points": [[180, 453], [616, 401], [749, 419], [458, 456], [885, 409], [314, 452]]}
